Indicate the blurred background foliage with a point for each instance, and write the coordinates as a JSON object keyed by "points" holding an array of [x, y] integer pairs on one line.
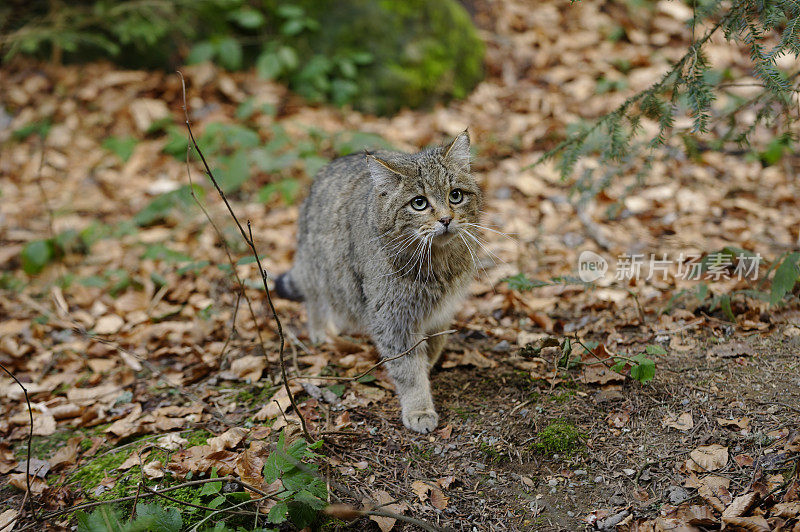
{"points": [[377, 56]]}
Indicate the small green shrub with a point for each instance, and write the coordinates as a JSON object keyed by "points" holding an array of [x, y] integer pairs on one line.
{"points": [[377, 56]]}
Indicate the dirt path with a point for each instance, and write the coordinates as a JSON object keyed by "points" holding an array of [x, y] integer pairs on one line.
{"points": [[625, 457]]}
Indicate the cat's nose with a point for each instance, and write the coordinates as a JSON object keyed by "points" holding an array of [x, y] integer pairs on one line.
{"points": [[446, 220]]}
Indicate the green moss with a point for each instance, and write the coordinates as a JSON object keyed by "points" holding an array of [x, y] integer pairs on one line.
{"points": [[43, 448], [563, 397], [255, 394], [493, 454], [197, 437], [89, 475], [559, 437]]}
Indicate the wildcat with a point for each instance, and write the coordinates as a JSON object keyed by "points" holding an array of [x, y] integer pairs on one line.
{"points": [[385, 247]]}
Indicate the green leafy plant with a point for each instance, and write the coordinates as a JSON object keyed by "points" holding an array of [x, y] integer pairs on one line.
{"points": [[304, 492], [149, 518], [122, 147], [299, 498], [418, 51]]}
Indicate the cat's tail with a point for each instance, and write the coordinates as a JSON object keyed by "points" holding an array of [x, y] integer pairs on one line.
{"points": [[286, 288]]}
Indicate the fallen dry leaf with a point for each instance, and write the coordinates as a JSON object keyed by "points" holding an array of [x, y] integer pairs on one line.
{"points": [[172, 441], [618, 419], [741, 505], [786, 509], [249, 367], [683, 422], [248, 467], [714, 490], [134, 459], [746, 524], [445, 482], [707, 458], [741, 423], [109, 324], [421, 489], [7, 518], [67, 454], [17, 480], [387, 523], [228, 439], [129, 425], [438, 499], [154, 469], [697, 515], [44, 424]]}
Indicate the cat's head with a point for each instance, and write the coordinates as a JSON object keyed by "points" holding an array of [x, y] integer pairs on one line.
{"points": [[429, 195]]}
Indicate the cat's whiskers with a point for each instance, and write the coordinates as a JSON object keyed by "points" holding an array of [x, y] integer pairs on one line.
{"points": [[486, 249], [397, 241], [411, 261], [474, 257], [427, 238], [484, 228], [398, 247], [430, 260]]}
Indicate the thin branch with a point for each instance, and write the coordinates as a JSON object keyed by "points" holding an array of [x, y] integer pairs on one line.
{"points": [[150, 493], [381, 362], [217, 230], [251, 244], [624, 106], [229, 509], [30, 439], [378, 513]]}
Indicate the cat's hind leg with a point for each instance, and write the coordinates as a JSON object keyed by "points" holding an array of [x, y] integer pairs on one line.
{"points": [[318, 320]]}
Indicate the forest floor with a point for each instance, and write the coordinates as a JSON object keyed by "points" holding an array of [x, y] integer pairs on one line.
{"points": [[143, 363]]}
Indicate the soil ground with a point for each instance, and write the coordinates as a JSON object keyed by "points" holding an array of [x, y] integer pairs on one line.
{"points": [[134, 327]]}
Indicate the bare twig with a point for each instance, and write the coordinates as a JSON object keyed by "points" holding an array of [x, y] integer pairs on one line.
{"points": [[222, 355], [29, 493], [229, 509], [220, 235], [150, 493], [248, 238], [173, 499], [378, 513], [381, 362]]}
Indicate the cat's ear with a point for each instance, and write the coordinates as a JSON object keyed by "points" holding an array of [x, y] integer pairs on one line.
{"points": [[457, 152], [383, 173]]}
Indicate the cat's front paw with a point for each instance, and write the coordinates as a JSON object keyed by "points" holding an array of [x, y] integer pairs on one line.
{"points": [[423, 421]]}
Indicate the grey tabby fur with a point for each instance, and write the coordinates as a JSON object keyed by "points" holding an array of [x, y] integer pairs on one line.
{"points": [[368, 262]]}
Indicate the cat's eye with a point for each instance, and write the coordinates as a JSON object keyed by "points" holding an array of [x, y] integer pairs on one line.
{"points": [[456, 196], [419, 203]]}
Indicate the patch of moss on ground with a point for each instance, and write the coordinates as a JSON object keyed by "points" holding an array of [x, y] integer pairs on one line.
{"points": [[255, 394], [197, 437], [559, 437], [42, 447], [89, 475], [493, 454], [563, 397]]}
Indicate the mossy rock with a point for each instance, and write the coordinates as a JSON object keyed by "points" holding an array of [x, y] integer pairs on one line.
{"points": [[423, 51]]}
